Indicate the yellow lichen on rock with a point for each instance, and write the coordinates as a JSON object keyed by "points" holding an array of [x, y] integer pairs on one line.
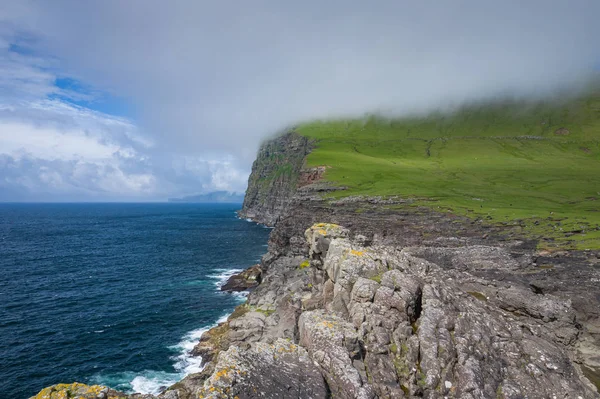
{"points": [[75, 390], [357, 253], [325, 229], [327, 225], [319, 235], [327, 324]]}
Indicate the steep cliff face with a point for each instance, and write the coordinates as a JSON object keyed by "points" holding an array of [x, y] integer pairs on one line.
{"points": [[276, 174]]}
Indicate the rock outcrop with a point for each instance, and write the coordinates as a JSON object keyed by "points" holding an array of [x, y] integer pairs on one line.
{"points": [[375, 298], [375, 320], [80, 391], [275, 178], [244, 280]]}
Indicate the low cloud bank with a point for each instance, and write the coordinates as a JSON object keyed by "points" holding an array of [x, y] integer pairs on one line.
{"points": [[211, 79]]}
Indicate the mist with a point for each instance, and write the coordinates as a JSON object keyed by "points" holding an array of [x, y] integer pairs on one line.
{"points": [[215, 78]]}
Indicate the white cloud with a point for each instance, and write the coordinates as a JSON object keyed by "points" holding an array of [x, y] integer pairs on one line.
{"points": [[19, 139], [225, 74], [208, 80], [53, 150]]}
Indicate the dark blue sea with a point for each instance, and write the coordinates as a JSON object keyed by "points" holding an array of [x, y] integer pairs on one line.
{"points": [[115, 294]]}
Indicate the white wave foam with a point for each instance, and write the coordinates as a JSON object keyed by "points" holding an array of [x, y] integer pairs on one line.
{"points": [[185, 363], [241, 296], [153, 382], [144, 382], [222, 278], [223, 275]]}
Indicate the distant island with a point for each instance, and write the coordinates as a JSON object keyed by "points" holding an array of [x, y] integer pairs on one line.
{"points": [[215, 196]]}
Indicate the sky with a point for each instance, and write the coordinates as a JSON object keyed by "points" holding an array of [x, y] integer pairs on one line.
{"points": [[142, 100]]}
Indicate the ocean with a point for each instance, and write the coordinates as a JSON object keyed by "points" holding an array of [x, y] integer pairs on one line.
{"points": [[114, 294]]}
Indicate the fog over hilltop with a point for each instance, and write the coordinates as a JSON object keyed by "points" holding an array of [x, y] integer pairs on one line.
{"points": [[146, 99]]}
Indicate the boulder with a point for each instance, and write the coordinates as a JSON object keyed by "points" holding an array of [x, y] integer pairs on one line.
{"points": [[244, 280], [79, 391], [278, 370]]}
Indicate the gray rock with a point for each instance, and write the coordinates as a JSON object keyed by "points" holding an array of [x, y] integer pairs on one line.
{"points": [[334, 344], [364, 290], [278, 370]]}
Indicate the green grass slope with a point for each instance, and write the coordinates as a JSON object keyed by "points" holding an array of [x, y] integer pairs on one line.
{"points": [[503, 162]]}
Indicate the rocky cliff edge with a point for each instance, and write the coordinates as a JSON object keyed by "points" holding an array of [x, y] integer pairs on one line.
{"points": [[372, 298]]}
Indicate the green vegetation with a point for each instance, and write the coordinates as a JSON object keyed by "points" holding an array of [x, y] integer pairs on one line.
{"points": [[478, 295], [534, 166], [245, 308], [377, 278], [239, 311], [593, 374], [305, 263], [266, 312]]}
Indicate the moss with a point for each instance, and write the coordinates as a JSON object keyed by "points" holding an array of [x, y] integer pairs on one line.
{"points": [[415, 327], [217, 336], [404, 348], [239, 311], [402, 369], [592, 374], [394, 348], [245, 308], [266, 312], [405, 390], [499, 393], [422, 380], [377, 278], [478, 295]]}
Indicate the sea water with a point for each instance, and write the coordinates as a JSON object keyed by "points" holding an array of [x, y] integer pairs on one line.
{"points": [[114, 294]]}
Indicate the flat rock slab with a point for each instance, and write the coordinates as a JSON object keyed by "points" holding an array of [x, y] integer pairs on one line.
{"points": [[278, 370]]}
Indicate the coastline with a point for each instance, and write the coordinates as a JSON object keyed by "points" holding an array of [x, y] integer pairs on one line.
{"points": [[367, 298], [185, 362]]}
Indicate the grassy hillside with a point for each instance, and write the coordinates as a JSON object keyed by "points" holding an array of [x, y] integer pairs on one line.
{"points": [[511, 163]]}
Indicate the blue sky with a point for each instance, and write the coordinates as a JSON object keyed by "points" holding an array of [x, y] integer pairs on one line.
{"points": [[98, 101], [144, 100], [64, 138]]}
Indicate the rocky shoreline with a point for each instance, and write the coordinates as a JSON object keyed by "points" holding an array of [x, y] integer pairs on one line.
{"points": [[372, 298], [243, 281]]}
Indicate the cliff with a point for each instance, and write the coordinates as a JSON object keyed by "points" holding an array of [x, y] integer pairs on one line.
{"points": [[274, 178], [364, 297]]}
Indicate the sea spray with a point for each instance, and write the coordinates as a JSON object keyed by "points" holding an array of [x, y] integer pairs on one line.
{"points": [[153, 382]]}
